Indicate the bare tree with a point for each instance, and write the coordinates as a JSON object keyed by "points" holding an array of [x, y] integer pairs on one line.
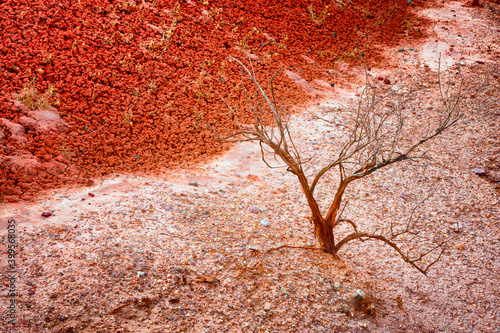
{"points": [[377, 136]]}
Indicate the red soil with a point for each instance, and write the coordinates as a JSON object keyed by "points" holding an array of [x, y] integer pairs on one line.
{"points": [[136, 81]]}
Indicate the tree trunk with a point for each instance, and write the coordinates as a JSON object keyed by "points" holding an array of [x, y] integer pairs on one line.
{"points": [[325, 236]]}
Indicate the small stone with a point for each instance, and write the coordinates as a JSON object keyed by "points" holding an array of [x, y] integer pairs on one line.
{"points": [[411, 49], [265, 222], [336, 285], [359, 295], [252, 177], [141, 274], [453, 10], [401, 50], [479, 172], [262, 44], [136, 156], [46, 214], [91, 195], [462, 63], [480, 62], [332, 84], [387, 81], [267, 306], [194, 183], [344, 310], [254, 210], [460, 247], [335, 34]]}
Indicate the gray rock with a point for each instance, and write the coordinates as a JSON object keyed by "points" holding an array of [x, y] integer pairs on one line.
{"points": [[479, 172], [265, 222]]}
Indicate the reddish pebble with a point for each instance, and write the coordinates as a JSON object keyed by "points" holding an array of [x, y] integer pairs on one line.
{"points": [[387, 81], [91, 195], [46, 214]]}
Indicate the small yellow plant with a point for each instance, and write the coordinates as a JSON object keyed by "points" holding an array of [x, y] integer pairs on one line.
{"points": [[282, 43], [244, 42], [65, 151], [320, 18], [29, 96], [127, 117]]}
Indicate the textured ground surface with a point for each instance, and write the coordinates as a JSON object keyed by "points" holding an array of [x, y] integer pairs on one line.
{"points": [[184, 251]]}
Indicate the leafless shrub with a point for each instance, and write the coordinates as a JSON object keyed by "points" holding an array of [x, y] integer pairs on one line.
{"points": [[377, 135]]}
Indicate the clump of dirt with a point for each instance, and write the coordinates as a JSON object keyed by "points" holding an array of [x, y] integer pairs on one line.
{"points": [[135, 83]]}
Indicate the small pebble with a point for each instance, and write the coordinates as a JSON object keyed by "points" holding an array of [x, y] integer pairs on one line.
{"points": [[46, 214], [479, 172], [265, 222], [359, 295], [254, 210], [141, 274], [267, 306]]}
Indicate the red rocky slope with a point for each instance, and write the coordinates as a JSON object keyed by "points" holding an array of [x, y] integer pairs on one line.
{"points": [[133, 83]]}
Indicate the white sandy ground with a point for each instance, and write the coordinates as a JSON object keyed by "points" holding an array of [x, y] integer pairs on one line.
{"points": [[81, 269]]}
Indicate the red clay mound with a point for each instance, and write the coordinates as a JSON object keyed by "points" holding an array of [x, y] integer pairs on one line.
{"points": [[134, 82]]}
